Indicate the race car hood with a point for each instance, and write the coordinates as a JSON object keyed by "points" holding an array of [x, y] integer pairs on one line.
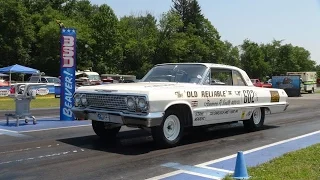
{"points": [[140, 87]]}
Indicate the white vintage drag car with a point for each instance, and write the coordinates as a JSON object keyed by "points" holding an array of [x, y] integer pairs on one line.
{"points": [[174, 96]]}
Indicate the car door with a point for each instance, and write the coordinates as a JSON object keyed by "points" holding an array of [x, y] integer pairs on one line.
{"points": [[223, 98]]}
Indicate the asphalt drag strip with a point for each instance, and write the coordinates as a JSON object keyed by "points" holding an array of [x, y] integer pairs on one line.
{"points": [[77, 153]]}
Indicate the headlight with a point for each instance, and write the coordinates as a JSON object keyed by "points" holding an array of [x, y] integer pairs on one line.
{"points": [[84, 101], [142, 104], [131, 103], [76, 100]]}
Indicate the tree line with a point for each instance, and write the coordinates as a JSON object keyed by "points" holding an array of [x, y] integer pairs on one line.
{"points": [[132, 44]]}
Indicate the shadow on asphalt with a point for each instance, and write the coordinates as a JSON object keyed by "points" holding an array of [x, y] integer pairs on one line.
{"points": [[136, 142]]}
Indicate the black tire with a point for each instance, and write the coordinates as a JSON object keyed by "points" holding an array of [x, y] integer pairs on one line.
{"points": [[158, 132], [100, 129], [252, 125]]}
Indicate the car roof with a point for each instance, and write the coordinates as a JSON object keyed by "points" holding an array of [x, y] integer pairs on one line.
{"points": [[211, 65], [214, 65], [44, 76]]}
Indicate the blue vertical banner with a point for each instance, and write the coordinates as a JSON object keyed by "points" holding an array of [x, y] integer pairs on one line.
{"points": [[67, 72]]}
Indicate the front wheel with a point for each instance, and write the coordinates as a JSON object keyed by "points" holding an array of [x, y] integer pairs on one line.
{"points": [[169, 133], [103, 132], [256, 121]]}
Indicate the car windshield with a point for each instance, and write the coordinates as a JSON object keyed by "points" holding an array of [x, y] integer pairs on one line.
{"points": [[184, 73], [53, 80], [94, 77], [34, 79]]}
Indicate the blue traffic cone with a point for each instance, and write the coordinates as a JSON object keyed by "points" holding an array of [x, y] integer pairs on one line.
{"points": [[240, 171]]}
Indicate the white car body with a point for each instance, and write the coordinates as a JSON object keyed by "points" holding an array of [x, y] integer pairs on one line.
{"points": [[200, 103]]}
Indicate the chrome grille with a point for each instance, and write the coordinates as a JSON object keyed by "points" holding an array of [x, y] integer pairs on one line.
{"points": [[107, 101]]}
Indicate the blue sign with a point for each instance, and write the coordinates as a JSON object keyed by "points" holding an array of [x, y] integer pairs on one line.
{"points": [[291, 84], [286, 82], [67, 72]]}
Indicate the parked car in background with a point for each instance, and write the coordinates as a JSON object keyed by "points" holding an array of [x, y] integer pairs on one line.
{"points": [[118, 78], [4, 83], [256, 82], [88, 78], [267, 84], [44, 79]]}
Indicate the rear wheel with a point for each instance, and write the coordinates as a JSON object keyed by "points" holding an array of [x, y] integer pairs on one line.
{"points": [[169, 133], [102, 130], [256, 121]]}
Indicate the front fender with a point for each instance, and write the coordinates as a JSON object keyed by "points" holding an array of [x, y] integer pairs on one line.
{"points": [[179, 102]]}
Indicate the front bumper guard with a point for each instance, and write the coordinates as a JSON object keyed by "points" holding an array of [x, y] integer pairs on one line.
{"points": [[140, 120]]}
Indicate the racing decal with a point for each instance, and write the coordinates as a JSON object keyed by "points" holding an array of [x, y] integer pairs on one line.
{"points": [[179, 94], [243, 114], [200, 116], [213, 93], [192, 94], [238, 93], [221, 102], [194, 103], [275, 97], [249, 96], [200, 119], [199, 113], [248, 114], [222, 112], [209, 103]]}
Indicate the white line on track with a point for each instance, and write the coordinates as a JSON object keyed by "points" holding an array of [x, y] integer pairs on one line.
{"points": [[55, 128], [204, 165], [259, 148], [42, 156], [27, 149]]}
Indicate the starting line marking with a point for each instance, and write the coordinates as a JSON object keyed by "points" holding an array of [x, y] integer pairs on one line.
{"points": [[204, 165], [17, 133], [214, 173], [46, 129], [11, 133]]}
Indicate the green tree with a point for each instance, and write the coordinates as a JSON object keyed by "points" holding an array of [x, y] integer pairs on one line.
{"points": [[190, 13], [16, 33], [139, 37], [170, 44], [107, 50], [231, 54], [252, 60], [317, 69]]}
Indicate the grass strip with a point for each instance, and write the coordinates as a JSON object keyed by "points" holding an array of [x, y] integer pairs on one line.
{"points": [[48, 101], [300, 164]]}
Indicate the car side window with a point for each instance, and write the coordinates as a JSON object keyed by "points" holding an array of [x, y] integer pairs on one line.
{"points": [[237, 79], [43, 80], [221, 77]]}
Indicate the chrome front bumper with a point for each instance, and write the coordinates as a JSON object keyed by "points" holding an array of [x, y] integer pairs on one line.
{"points": [[148, 120]]}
